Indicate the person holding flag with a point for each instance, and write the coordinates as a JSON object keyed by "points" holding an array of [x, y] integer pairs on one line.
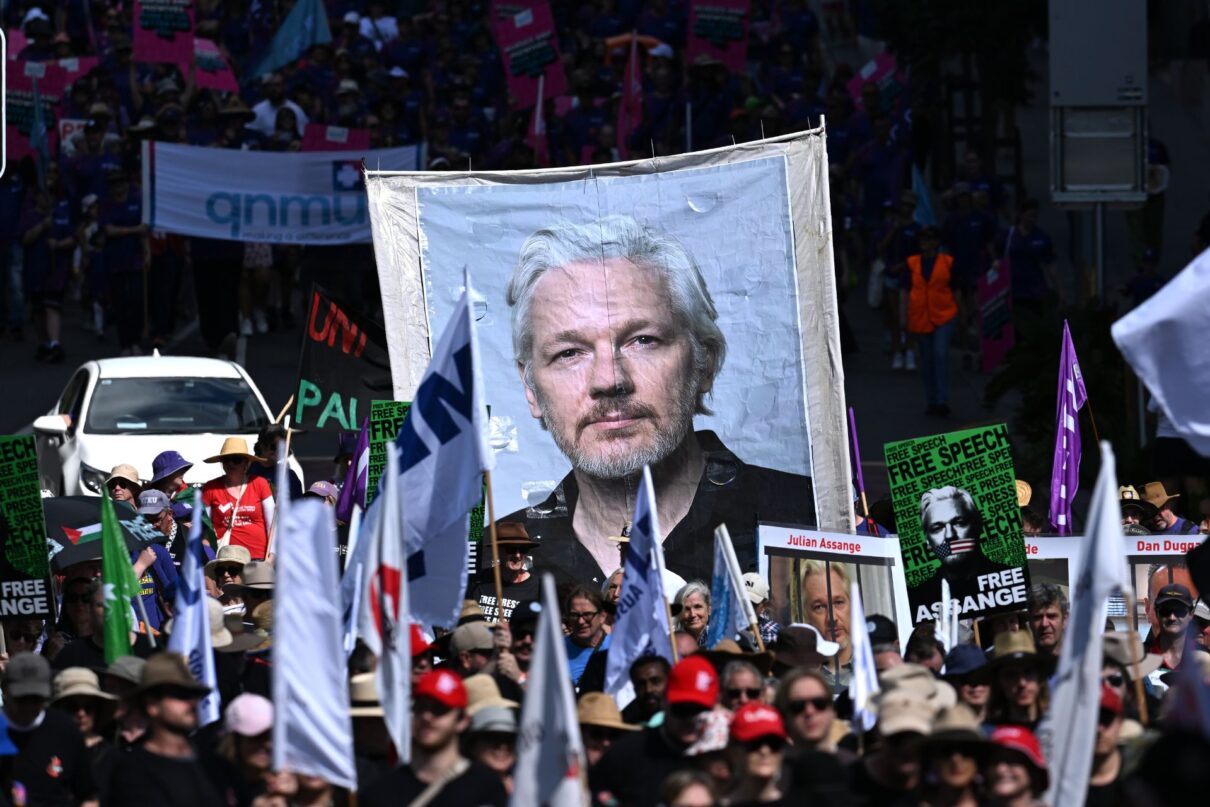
{"points": [[191, 636], [119, 586]]}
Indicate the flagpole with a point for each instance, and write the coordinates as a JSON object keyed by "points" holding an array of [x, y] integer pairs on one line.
{"points": [[865, 508], [284, 409], [1092, 419], [284, 458], [146, 623], [671, 632], [1135, 673], [491, 517]]}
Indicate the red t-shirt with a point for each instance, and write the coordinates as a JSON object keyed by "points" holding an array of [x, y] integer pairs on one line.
{"points": [[250, 529]]}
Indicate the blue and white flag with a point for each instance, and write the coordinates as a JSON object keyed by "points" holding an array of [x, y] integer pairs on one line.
{"points": [[730, 611], [381, 603], [304, 26], [312, 729], [443, 453], [864, 683], [190, 635], [640, 626], [550, 752], [1069, 734]]}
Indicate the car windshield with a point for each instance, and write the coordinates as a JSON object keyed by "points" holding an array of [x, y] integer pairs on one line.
{"points": [[174, 406]]}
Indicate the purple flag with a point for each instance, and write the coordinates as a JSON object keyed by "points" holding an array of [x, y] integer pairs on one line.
{"points": [[1065, 474], [357, 477]]}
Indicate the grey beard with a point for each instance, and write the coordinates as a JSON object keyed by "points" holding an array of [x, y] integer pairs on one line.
{"points": [[620, 467]]}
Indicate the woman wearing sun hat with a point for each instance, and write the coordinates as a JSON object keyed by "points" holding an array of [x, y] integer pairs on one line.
{"points": [[241, 508], [953, 752], [1020, 695], [77, 693]]}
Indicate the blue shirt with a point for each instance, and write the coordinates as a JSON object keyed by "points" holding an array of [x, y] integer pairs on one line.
{"points": [[155, 582], [577, 656], [1182, 526]]}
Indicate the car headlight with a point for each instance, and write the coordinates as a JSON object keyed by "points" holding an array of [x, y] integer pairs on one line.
{"points": [[92, 479]]}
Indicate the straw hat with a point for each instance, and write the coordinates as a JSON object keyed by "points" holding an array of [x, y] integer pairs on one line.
{"points": [[957, 725], [1129, 498], [363, 696], [125, 472], [598, 709], [79, 682], [234, 447], [1018, 645], [729, 650], [231, 553], [1157, 496], [258, 575], [482, 693], [1024, 493]]}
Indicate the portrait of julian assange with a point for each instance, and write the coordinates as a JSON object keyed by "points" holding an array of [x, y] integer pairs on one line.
{"points": [[953, 526], [617, 346]]}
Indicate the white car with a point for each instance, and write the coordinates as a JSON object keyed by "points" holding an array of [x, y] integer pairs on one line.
{"points": [[129, 410]]}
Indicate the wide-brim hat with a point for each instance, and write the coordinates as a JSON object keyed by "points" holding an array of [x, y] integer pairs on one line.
{"points": [[1018, 645], [1128, 497], [482, 692], [598, 709], [363, 696], [513, 533], [254, 632], [257, 575], [127, 473], [168, 464], [728, 650], [168, 670], [81, 682], [234, 447], [958, 725], [236, 108], [231, 553], [801, 645], [1157, 496], [1124, 649]]}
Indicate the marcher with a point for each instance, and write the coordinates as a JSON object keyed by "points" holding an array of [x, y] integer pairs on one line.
{"points": [[584, 615], [804, 700], [1165, 521], [438, 770], [1174, 608], [891, 771], [692, 606], [1135, 509], [491, 740], [1015, 771], [123, 483], [518, 581], [89, 651], [247, 747], [1020, 695], [1105, 784], [241, 508], [757, 590], [164, 769], [954, 752], [227, 568], [601, 724], [1048, 609], [930, 314], [967, 672], [78, 694], [758, 742], [649, 677]]}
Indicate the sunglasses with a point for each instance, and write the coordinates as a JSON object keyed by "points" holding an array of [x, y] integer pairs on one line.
{"points": [[1114, 679], [228, 571], [685, 711], [22, 636], [586, 616], [598, 734], [752, 694], [773, 743], [179, 694], [76, 599], [820, 704], [1106, 717], [235, 461], [72, 705], [1178, 611]]}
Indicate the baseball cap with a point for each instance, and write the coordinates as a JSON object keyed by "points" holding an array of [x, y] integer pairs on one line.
{"points": [[153, 502], [754, 720], [28, 675], [881, 630], [1174, 592], [964, 659], [756, 588], [442, 686], [693, 680], [249, 715], [1025, 743], [1111, 700], [323, 489], [471, 636], [495, 719]]}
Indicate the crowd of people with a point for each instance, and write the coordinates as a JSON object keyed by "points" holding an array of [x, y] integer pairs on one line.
{"points": [[765, 716]]}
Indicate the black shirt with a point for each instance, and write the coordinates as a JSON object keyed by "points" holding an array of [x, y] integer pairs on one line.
{"points": [[52, 764], [483, 591], [633, 768], [477, 786], [730, 492], [142, 777], [87, 653], [867, 790]]}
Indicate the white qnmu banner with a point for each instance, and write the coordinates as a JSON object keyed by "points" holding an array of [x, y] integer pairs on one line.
{"points": [[285, 198], [710, 272]]}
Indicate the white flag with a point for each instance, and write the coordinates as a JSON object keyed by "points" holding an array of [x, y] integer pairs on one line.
{"points": [[443, 453], [1076, 699], [312, 730], [864, 683], [731, 611], [382, 611], [190, 635], [1164, 340], [640, 626], [550, 766]]}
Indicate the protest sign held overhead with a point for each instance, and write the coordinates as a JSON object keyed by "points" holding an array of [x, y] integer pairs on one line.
{"points": [[718, 33], [525, 33], [24, 566], [213, 70], [386, 418], [163, 31], [957, 517], [343, 365], [721, 296]]}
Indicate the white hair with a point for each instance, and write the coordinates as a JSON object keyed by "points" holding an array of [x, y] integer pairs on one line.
{"points": [[619, 237], [944, 494]]}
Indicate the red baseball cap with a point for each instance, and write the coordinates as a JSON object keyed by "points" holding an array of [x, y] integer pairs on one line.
{"points": [[754, 720], [1110, 700], [419, 643], [693, 680], [1024, 742], [442, 686]]}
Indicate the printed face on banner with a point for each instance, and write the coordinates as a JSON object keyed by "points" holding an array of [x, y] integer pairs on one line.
{"points": [[956, 509], [666, 335]]}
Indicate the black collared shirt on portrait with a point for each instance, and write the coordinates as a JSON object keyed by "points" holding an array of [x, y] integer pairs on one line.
{"points": [[730, 492]]}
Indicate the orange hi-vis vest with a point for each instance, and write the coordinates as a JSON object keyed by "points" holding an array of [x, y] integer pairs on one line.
{"points": [[930, 302]]}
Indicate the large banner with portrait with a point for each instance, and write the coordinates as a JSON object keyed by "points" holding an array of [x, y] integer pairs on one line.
{"points": [[678, 312], [958, 521]]}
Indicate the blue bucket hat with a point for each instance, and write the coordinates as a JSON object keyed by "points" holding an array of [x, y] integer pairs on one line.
{"points": [[963, 660], [167, 464]]}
